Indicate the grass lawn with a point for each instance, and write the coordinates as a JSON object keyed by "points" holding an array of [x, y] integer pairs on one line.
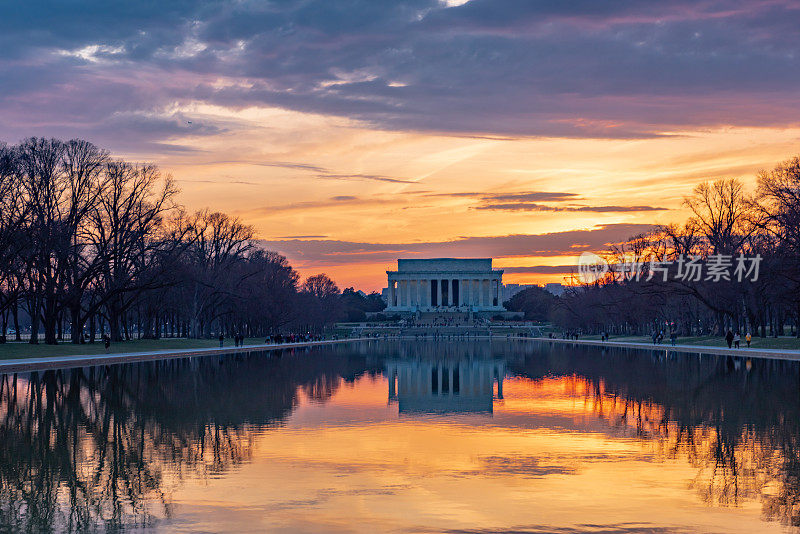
{"points": [[10, 351]]}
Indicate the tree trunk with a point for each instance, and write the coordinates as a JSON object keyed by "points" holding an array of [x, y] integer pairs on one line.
{"points": [[33, 310], [114, 323], [147, 327], [125, 327], [50, 317], [15, 315], [76, 323]]}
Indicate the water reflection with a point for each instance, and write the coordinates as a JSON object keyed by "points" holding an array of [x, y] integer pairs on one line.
{"points": [[106, 446], [735, 420], [442, 383], [116, 447]]}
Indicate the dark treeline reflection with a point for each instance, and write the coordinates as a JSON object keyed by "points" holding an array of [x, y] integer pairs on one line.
{"points": [[103, 447], [737, 421]]}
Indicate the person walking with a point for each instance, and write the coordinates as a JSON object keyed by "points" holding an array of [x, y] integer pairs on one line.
{"points": [[736, 340], [748, 338], [221, 340], [106, 341], [729, 338], [673, 335]]}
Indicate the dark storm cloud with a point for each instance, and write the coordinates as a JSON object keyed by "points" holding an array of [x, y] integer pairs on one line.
{"points": [[303, 237], [623, 69], [530, 201], [531, 206], [526, 196], [363, 177], [334, 252], [318, 172], [541, 269], [534, 196]]}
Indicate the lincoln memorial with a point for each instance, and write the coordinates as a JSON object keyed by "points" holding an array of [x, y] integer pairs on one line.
{"points": [[445, 284]]}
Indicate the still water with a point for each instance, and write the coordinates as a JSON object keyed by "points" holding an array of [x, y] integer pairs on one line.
{"points": [[430, 436]]}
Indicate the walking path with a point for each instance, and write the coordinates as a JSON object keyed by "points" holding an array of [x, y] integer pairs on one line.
{"points": [[774, 354], [67, 362]]}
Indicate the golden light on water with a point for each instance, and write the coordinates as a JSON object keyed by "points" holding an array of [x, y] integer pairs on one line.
{"points": [[364, 438], [549, 448]]}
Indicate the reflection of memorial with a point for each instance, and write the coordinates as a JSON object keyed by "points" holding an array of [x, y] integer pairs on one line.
{"points": [[444, 385]]}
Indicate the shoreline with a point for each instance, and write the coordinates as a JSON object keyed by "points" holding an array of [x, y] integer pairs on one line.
{"points": [[92, 360], [744, 352], [23, 365]]}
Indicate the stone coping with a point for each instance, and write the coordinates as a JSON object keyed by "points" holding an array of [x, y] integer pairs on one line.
{"points": [[775, 354], [89, 360]]}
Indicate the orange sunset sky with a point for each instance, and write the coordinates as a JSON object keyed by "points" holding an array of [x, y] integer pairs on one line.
{"points": [[353, 133], [442, 202]]}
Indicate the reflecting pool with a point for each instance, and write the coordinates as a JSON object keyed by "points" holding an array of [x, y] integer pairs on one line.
{"points": [[430, 436]]}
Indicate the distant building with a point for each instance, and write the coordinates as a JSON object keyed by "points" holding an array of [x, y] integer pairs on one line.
{"points": [[509, 290], [554, 289]]}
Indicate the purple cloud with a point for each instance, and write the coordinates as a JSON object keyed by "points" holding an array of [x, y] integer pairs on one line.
{"points": [[330, 252], [501, 68], [531, 206]]}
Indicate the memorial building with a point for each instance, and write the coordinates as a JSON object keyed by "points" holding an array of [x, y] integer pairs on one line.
{"points": [[445, 284]]}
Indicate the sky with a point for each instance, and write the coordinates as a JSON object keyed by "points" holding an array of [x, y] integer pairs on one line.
{"points": [[353, 132]]}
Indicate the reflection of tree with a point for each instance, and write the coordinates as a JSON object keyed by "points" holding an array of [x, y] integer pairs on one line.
{"points": [[105, 447], [737, 423]]}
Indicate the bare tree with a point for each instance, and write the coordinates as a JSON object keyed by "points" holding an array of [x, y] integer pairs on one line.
{"points": [[128, 238], [219, 242], [722, 214]]}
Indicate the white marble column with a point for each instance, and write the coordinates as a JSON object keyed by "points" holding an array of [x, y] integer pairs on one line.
{"points": [[397, 292], [427, 292], [392, 292], [472, 292]]}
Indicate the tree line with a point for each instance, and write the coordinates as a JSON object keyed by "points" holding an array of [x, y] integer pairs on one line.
{"points": [[733, 264], [92, 244]]}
